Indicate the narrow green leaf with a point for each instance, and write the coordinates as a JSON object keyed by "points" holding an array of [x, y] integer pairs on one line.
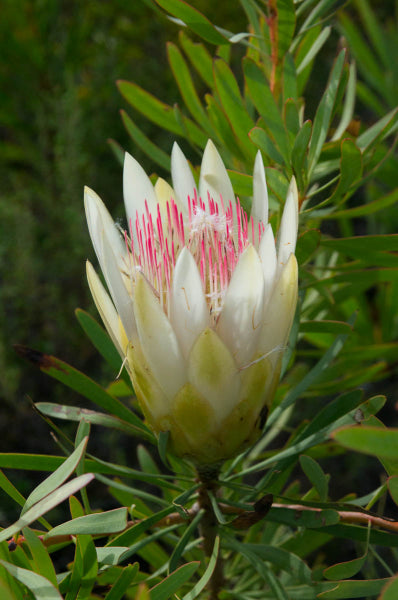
{"points": [[186, 87], [282, 559], [390, 591], [45, 505], [369, 440], [299, 154], [111, 521], [316, 476], [199, 57], [349, 104], [324, 112], [10, 489], [366, 209], [127, 538], [142, 141], [264, 142], [314, 49], [111, 556], [203, 581], [72, 413], [43, 564], [40, 587], [194, 19], [123, 582], [232, 104], [378, 131], [99, 338], [57, 478], [183, 541], [289, 78], [348, 590], [350, 568], [171, 584], [79, 382], [336, 327], [286, 22], [350, 169], [264, 101], [152, 108]]}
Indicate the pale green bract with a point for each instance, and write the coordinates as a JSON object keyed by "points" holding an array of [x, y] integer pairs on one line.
{"points": [[201, 300]]}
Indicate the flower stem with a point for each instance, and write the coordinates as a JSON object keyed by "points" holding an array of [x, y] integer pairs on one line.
{"points": [[208, 478]]}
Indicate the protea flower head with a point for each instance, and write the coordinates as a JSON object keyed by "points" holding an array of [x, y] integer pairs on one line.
{"points": [[201, 300]]}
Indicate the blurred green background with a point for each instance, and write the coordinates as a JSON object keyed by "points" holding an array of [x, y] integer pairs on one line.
{"points": [[59, 106]]}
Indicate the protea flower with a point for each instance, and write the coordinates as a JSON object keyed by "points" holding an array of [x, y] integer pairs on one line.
{"points": [[201, 301]]}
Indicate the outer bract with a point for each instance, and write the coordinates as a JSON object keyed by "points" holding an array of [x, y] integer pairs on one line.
{"points": [[201, 301]]}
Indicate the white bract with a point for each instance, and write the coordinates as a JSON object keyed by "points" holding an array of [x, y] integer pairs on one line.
{"points": [[201, 300]]}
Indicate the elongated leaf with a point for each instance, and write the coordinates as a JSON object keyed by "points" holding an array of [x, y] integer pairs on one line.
{"points": [[10, 489], [336, 327], [299, 154], [150, 107], [42, 561], [57, 478], [123, 582], [183, 541], [378, 131], [264, 142], [203, 581], [366, 209], [390, 591], [72, 413], [324, 112], [187, 88], [349, 104], [345, 570], [127, 538], [349, 590], [194, 19], [111, 521], [232, 104], [80, 383], [99, 338], [286, 21], [316, 476], [169, 586], [314, 49], [45, 505], [199, 58], [154, 152], [111, 556], [264, 101], [41, 588], [370, 440]]}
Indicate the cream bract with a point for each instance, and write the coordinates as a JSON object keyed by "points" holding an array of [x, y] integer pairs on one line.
{"points": [[200, 302]]}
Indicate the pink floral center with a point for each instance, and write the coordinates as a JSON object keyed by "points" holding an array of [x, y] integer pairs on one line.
{"points": [[216, 236]]}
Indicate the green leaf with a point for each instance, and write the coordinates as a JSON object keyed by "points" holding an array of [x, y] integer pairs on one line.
{"points": [[123, 582], [392, 483], [316, 476], [80, 383], [111, 521], [314, 49], [336, 327], [390, 592], [199, 57], [72, 413], [299, 154], [369, 440], [183, 541], [203, 581], [350, 169], [127, 538], [366, 209], [99, 338], [41, 588], [264, 102], [194, 19], [10, 489], [232, 104], [289, 78], [111, 556], [264, 142], [45, 505], [152, 108], [378, 131], [348, 569], [286, 22], [324, 112], [171, 584], [187, 88], [43, 564], [349, 104], [142, 141], [366, 247], [57, 478], [348, 590]]}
